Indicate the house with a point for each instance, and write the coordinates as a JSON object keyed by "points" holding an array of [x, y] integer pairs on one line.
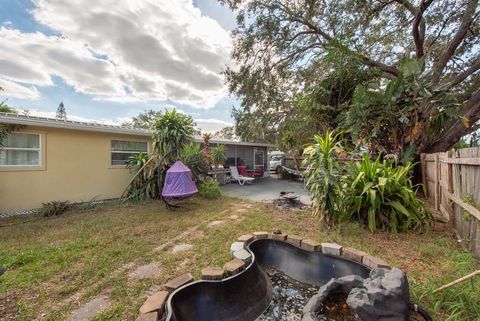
{"points": [[57, 160]]}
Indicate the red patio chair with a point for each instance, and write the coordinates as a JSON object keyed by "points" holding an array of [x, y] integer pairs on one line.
{"points": [[258, 172], [242, 170]]}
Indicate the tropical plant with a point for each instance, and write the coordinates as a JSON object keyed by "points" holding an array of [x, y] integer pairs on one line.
{"points": [[218, 155], [322, 176], [383, 196], [192, 156], [172, 132], [209, 189], [143, 186]]}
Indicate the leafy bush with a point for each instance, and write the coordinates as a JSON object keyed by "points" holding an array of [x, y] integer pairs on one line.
{"points": [[193, 157], [383, 196], [322, 176], [54, 208], [209, 189]]}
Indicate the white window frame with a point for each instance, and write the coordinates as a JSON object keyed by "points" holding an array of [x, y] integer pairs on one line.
{"points": [[124, 151], [39, 150]]}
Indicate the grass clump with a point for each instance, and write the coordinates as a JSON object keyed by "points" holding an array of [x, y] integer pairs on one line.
{"points": [[54, 208]]}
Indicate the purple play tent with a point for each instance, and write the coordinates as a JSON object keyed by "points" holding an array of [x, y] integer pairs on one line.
{"points": [[179, 182]]}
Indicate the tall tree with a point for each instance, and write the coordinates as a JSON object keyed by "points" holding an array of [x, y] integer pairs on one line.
{"points": [[143, 120], [280, 45], [226, 133], [61, 112]]}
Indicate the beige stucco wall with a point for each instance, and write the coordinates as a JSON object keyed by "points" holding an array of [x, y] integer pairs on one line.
{"points": [[76, 167]]}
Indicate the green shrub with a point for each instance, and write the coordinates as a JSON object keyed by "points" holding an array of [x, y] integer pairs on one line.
{"points": [[54, 208], [383, 196], [209, 189]]}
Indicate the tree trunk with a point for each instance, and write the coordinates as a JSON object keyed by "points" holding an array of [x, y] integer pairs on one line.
{"points": [[457, 129]]}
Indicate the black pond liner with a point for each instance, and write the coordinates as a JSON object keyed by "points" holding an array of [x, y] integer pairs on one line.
{"points": [[244, 296]]}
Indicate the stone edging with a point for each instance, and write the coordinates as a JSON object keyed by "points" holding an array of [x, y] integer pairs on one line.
{"points": [[154, 307]]}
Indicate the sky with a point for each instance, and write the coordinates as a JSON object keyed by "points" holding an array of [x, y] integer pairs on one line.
{"points": [[108, 60]]}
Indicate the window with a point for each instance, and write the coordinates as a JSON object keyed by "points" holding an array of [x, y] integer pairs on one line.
{"points": [[123, 149], [21, 149], [259, 158]]}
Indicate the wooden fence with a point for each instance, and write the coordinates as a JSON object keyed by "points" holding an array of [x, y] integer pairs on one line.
{"points": [[452, 182]]}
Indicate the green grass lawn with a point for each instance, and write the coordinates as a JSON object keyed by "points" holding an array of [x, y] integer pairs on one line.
{"points": [[57, 264]]}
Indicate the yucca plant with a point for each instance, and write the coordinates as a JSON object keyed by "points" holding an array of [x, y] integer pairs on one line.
{"points": [[172, 131], [322, 176], [143, 186], [218, 155], [193, 157], [383, 196]]}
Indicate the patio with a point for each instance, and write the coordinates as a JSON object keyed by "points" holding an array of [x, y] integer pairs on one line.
{"points": [[266, 190]]}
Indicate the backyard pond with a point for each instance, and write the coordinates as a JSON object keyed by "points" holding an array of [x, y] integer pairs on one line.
{"points": [[290, 296]]}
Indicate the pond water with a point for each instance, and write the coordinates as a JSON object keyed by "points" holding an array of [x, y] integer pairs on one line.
{"points": [[289, 298]]}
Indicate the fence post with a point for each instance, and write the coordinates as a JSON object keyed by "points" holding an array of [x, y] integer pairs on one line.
{"points": [[450, 205], [437, 182], [424, 173]]}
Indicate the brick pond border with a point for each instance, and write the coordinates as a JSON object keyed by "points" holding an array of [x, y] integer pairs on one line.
{"points": [[154, 307]]}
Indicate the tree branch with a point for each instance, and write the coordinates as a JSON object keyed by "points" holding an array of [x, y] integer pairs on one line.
{"points": [[470, 70], [457, 129], [418, 28], [410, 7], [467, 19], [366, 60]]}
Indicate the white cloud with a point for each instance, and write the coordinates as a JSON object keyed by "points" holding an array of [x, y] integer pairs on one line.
{"points": [[122, 50], [14, 90], [211, 124]]}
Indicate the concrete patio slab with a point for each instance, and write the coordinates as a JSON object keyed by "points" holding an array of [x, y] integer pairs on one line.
{"points": [[266, 190]]}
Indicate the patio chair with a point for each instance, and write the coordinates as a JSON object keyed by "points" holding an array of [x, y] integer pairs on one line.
{"points": [[258, 172], [242, 170], [239, 178]]}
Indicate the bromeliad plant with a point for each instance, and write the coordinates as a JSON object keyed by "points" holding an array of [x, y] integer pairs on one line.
{"points": [[322, 176], [383, 196]]}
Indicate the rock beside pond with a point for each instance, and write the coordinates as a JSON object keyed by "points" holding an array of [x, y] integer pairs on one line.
{"points": [[341, 285], [383, 296]]}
